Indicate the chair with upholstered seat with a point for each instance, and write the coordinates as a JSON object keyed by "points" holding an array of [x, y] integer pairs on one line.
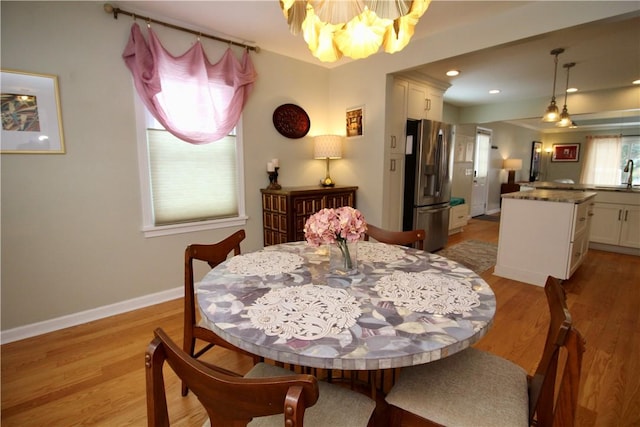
{"points": [[477, 388], [396, 237], [269, 395], [212, 254]]}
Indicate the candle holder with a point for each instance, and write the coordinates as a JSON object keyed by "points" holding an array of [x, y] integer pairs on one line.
{"points": [[273, 180]]}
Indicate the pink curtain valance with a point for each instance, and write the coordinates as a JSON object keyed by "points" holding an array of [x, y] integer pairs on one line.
{"points": [[193, 99]]}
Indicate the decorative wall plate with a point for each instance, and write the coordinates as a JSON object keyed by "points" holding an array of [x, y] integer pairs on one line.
{"points": [[291, 121]]}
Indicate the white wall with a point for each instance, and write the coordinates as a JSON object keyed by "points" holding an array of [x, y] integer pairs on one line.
{"points": [[71, 237], [512, 142]]}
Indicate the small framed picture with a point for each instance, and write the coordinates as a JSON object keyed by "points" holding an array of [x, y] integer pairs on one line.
{"points": [[31, 117], [355, 122], [565, 152], [536, 156]]}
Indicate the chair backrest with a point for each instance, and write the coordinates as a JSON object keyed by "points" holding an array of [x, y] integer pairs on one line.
{"points": [[213, 254], [543, 398], [229, 399], [567, 399], [396, 237]]}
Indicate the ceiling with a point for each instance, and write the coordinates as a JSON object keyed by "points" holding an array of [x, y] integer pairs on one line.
{"points": [[606, 53]]}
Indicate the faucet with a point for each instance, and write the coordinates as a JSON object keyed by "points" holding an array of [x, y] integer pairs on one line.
{"points": [[630, 170]]}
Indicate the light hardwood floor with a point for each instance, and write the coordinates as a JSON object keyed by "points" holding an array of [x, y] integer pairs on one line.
{"points": [[93, 375]]}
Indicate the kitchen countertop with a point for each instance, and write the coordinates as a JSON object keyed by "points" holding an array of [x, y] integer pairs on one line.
{"points": [[552, 195], [548, 185]]}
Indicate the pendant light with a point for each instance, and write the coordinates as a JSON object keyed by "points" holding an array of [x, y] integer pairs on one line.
{"points": [[551, 115], [565, 120]]}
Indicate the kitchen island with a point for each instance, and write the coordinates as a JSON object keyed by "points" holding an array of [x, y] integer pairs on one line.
{"points": [[543, 233], [615, 225]]}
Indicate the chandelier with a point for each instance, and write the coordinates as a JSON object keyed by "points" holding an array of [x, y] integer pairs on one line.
{"points": [[353, 28]]}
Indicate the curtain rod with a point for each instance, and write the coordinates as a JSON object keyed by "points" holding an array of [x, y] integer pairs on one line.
{"points": [[109, 8]]}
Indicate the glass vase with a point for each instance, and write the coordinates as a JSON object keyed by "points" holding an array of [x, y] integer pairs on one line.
{"points": [[343, 258]]}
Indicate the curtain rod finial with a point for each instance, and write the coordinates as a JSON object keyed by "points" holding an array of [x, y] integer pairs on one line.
{"points": [[108, 8]]}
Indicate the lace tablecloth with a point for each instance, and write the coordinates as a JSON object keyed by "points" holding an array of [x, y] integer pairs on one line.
{"points": [[264, 263], [376, 252], [403, 307], [428, 292], [305, 312]]}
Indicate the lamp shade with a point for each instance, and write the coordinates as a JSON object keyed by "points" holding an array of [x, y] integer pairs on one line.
{"points": [[512, 164], [327, 146]]}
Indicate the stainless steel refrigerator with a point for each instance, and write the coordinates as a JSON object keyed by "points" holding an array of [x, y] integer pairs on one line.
{"points": [[427, 180]]}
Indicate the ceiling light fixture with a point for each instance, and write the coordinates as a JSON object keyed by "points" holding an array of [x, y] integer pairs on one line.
{"points": [[494, 91], [551, 115], [565, 120], [453, 73], [354, 28]]}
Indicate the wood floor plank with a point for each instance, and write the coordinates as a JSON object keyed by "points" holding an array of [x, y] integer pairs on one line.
{"points": [[93, 374]]}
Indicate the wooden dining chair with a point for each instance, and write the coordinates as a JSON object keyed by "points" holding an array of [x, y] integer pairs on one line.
{"points": [[396, 237], [477, 388], [269, 395], [213, 254]]}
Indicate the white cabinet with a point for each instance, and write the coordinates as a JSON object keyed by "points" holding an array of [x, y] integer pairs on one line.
{"points": [[458, 218], [616, 222], [398, 116], [630, 229], [395, 180], [424, 102], [540, 238]]}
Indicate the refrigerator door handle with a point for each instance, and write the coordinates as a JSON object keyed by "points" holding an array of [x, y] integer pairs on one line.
{"points": [[440, 161], [434, 210]]}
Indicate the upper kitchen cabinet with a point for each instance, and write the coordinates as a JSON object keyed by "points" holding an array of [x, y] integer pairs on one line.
{"points": [[424, 103], [425, 99]]}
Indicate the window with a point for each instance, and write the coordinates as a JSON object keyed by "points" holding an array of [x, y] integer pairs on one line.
{"points": [[606, 158], [630, 150], [188, 187]]}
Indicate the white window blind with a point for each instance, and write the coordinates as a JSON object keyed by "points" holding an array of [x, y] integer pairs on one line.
{"points": [[192, 182]]}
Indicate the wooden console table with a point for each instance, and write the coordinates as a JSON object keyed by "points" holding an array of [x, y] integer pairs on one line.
{"points": [[505, 187], [285, 211]]}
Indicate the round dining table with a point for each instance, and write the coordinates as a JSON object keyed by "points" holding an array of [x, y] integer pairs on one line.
{"points": [[402, 307]]}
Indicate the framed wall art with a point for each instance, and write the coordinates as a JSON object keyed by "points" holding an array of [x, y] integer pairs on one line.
{"points": [[31, 116], [536, 157], [355, 122], [565, 152]]}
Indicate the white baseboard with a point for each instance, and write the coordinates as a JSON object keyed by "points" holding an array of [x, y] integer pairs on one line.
{"points": [[39, 328]]}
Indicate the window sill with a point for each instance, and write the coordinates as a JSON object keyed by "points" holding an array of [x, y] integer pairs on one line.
{"points": [[190, 227]]}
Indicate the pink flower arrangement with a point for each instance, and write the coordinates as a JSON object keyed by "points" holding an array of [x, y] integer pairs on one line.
{"points": [[344, 224]]}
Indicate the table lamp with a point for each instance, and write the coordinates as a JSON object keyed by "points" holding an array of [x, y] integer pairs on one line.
{"points": [[327, 147], [512, 165]]}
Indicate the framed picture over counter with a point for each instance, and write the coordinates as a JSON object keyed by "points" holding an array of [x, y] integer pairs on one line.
{"points": [[565, 152], [31, 117]]}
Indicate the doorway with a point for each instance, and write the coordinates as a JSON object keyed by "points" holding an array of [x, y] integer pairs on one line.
{"points": [[480, 189]]}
